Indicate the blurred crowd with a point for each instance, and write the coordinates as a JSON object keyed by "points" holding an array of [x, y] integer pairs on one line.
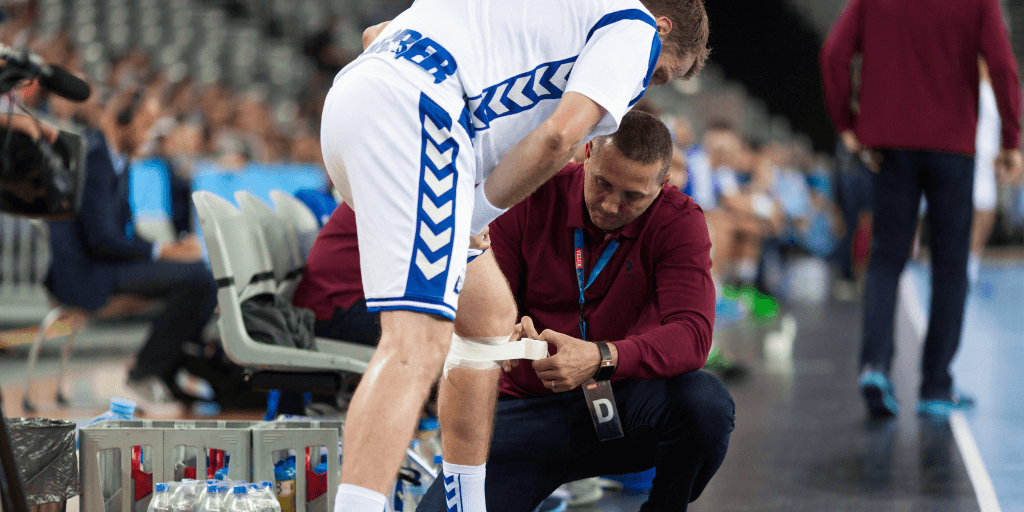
{"points": [[230, 126]]}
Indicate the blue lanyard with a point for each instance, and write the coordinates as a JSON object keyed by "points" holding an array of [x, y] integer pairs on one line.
{"points": [[601, 262]]}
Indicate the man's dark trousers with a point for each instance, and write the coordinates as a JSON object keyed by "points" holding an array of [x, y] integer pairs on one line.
{"points": [[679, 425], [190, 296], [947, 182]]}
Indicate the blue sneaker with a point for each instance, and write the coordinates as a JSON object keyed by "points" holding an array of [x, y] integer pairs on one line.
{"points": [[878, 394], [941, 408]]}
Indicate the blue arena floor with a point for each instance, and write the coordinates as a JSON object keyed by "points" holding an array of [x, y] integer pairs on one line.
{"points": [[990, 367]]}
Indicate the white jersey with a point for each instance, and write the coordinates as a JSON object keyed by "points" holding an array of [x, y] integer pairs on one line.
{"points": [[509, 62]]}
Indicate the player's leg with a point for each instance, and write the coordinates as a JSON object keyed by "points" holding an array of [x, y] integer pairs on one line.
{"points": [[386, 406], [406, 169], [467, 395]]}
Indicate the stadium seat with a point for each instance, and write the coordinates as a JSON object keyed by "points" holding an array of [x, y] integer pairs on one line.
{"points": [[238, 260], [282, 244], [298, 215]]}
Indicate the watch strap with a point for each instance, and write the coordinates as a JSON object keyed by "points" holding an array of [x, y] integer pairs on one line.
{"points": [[606, 368]]}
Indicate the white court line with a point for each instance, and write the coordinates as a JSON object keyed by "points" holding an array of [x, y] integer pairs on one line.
{"points": [[983, 488]]}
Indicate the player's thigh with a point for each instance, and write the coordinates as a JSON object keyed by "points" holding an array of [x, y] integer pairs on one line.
{"points": [[486, 305], [410, 170]]}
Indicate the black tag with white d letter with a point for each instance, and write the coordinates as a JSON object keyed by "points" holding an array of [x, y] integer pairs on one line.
{"points": [[603, 410]]}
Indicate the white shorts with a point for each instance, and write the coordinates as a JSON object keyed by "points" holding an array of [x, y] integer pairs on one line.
{"points": [[985, 190], [402, 160]]}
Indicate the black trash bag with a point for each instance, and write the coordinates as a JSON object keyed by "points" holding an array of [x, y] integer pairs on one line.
{"points": [[44, 451], [270, 319]]}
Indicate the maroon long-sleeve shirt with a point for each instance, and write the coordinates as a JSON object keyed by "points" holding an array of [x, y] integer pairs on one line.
{"points": [[919, 79], [654, 300]]}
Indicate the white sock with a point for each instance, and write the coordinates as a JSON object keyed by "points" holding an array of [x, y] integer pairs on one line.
{"points": [[464, 487], [352, 498]]}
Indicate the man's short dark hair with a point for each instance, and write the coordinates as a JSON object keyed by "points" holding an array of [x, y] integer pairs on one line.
{"points": [[690, 29], [641, 138]]}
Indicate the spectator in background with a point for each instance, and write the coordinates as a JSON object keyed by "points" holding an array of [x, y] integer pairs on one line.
{"points": [[97, 255], [917, 127]]}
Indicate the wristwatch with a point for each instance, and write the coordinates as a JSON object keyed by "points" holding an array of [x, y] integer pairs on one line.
{"points": [[607, 366]]}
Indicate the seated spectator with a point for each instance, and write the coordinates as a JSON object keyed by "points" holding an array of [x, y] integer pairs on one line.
{"points": [[741, 184], [653, 302], [97, 255]]}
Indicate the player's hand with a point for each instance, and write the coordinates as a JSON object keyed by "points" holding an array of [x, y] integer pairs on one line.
{"points": [[1009, 167], [576, 362], [371, 33], [481, 241], [185, 251], [524, 329]]}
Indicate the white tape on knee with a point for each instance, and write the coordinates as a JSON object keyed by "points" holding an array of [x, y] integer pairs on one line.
{"points": [[486, 353]]}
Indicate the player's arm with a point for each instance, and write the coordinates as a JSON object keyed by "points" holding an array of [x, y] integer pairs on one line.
{"points": [[542, 153]]}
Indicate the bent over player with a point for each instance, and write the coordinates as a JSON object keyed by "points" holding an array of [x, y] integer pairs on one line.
{"points": [[457, 111]]}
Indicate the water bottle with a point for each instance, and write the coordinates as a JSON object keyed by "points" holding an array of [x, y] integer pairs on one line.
{"points": [[120, 409], [186, 497], [202, 489], [161, 501], [214, 499], [284, 474], [427, 443], [267, 499], [240, 501]]}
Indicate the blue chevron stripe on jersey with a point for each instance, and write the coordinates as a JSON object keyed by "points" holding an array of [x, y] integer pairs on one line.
{"points": [[520, 93]]}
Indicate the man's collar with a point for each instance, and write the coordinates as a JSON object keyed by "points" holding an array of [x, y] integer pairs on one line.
{"points": [[578, 218]]}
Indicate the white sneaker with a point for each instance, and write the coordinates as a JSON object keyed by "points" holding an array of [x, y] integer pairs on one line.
{"points": [[193, 385], [581, 492], [152, 396]]}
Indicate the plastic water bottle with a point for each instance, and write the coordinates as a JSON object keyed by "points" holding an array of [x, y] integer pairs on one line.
{"points": [[161, 501], [265, 498], [120, 409], [214, 499], [202, 489], [427, 443], [284, 474], [240, 501], [186, 497]]}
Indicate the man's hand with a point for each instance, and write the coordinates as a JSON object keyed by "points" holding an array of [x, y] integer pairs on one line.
{"points": [[185, 251], [371, 33], [29, 126], [871, 158], [1009, 165], [524, 329], [481, 241], [576, 361]]}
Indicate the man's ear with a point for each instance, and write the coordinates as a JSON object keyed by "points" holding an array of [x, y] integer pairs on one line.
{"points": [[668, 176], [587, 150], [664, 26]]}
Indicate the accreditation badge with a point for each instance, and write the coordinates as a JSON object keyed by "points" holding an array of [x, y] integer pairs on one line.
{"points": [[603, 410]]}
